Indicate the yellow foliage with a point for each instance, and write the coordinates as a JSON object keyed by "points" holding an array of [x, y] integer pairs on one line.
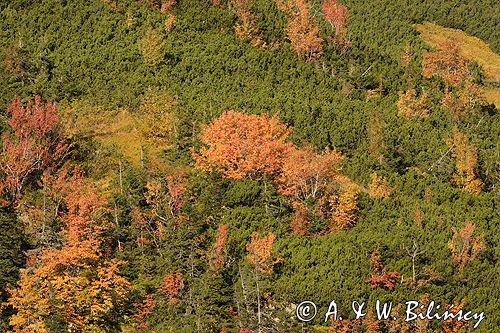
{"points": [[156, 114], [136, 136], [466, 164], [412, 107], [343, 209], [152, 47], [379, 187], [471, 48]]}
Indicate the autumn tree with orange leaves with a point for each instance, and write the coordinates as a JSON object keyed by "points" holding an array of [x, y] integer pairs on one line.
{"points": [[243, 146], [306, 174], [464, 246], [460, 91], [446, 63], [247, 29], [261, 258], [306, 178], [218, 250], [75, 283], [302, 30]]}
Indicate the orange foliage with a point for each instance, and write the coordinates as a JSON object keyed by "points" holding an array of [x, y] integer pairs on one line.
{"points": [[243, 146], [447, 63], [454, 325], [466, 164], [302, 30], [218, 249], [464, 246], [410, 106], [306, 174], [143, 310], [260, 248], [169, 23], [166, 5], [300, 221], [172, 285], [74, 282]]}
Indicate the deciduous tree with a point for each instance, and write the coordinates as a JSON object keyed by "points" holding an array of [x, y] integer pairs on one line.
{"points": [[464, 246], [306, 174], [247, 29], [218, 250], [411, 106], [243, 146], [31, 144], [336, 14], [343, 208], [302, 30], [76, 282], [447, 63], [465, 176]]}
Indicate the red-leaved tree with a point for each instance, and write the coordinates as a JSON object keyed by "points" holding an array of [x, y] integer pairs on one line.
{"points": [[31, 144], [336, 15], [218, 251]]}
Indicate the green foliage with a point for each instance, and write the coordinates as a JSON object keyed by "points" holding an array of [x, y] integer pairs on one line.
{"points": [[74, 51]]}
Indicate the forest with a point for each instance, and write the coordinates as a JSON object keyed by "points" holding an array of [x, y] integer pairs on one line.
{"points": [[211, 165]]}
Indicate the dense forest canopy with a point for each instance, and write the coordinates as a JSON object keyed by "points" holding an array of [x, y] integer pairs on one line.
{"points": [[207, 165]]}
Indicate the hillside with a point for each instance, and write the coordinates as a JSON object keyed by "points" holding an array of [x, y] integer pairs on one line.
{"points": [[208, 165]]}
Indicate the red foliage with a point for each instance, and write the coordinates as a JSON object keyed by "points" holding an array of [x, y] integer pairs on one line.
{"points": [[143, 310], [176, 188], [336, 15], [172, 285], [382, 277], [140, 223], [218, 249], [387, 280], [32, 144]]}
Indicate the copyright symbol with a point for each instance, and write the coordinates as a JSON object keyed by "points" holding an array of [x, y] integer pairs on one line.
{"points": [[306, 311]]}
